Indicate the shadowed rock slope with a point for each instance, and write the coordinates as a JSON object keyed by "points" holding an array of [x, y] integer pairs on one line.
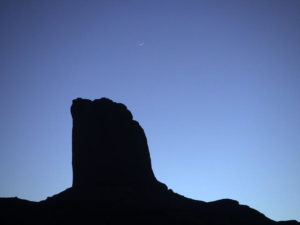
{"points": [[113, 181]]}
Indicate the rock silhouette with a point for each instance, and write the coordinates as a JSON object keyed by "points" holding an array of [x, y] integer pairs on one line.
{"points": [[113, 181], [109, 147]]}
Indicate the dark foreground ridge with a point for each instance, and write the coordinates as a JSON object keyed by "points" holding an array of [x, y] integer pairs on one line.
{"points": [[113, 181]]}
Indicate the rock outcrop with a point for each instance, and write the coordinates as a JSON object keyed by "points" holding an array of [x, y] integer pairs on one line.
{"points": [[109, 147], [113, 181]]}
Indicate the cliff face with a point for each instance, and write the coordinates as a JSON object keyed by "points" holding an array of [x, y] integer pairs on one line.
{"points": [[113, 181], [108, 147]]}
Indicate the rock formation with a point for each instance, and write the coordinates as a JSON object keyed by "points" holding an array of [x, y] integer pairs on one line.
{"points": [[109, 147], [113, 181]]}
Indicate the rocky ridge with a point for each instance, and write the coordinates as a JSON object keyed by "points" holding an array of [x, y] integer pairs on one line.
{"points": [[113, 181]]}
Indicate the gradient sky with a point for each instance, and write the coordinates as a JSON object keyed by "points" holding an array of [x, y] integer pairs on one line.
{"points": [[215, 85]]}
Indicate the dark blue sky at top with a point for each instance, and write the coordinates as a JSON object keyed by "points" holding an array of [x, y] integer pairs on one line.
{"points": [[215, 85]]}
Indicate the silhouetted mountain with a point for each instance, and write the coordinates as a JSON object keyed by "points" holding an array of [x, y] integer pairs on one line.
{"points": [[113, 181]]}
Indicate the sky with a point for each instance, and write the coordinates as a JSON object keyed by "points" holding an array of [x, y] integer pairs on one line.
{"points": [[214, 84]]}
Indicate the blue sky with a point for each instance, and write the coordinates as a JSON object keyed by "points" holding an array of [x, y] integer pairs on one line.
{"points": [[215, 85]]}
